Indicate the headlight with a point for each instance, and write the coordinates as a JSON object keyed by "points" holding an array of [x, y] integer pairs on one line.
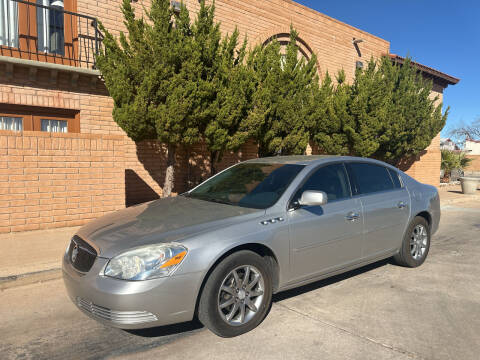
{"points": [[147, 262]]}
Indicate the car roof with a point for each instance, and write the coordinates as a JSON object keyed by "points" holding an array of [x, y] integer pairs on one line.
{"points": [[305, 159], [312, 160], [293, 159]]}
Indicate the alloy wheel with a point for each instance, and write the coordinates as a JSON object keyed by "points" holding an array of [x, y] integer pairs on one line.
{"points": [[418, 241], [241, 295]]}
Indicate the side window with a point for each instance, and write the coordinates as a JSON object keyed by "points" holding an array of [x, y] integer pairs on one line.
{"points": [[395, 178], [332, 179], [370, 178]]}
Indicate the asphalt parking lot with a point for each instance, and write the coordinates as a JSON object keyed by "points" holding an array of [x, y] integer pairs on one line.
{"points": [[379, 312]]}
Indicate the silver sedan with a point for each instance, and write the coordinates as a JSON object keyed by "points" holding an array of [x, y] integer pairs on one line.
{"points": [[222, 249]]}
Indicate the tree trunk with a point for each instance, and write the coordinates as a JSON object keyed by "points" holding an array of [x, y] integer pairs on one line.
{"points": [[213, 162], [169, 173]]}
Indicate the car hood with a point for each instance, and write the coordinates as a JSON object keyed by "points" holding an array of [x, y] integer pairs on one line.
{"points": [[159, 221]]}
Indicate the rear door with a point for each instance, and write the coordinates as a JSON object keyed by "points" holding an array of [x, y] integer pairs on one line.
{"points": [[386, 206]]}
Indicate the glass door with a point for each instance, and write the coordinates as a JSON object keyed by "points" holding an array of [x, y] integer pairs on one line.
{"points": [[50, 27]]}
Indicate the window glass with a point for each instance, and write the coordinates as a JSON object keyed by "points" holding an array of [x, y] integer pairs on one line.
{"points": [[9, 23], [50, 125], [371, 178], [11, 123], [253, 185], [331, 179], [50, 27], [395, 178]]}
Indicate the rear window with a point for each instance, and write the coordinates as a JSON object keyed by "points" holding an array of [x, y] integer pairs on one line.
{"points": [[370, 178], [395, 179]]}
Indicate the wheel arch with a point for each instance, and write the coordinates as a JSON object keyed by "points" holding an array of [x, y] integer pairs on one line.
{"points": [[258, 248], [426, 215]]}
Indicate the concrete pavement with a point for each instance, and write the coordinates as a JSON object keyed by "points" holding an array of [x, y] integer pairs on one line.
{"points": [[379, 312], [33, 251], [32, 256]]}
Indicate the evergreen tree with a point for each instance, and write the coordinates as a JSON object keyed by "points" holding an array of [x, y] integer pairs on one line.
{"points": [[283, 102], [332, 119], [387, 113], [161, 76], [414, 116], [226, 130]]}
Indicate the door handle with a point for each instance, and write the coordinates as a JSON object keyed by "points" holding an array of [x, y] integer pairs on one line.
{"points": [[401, 205], [352, 216]]}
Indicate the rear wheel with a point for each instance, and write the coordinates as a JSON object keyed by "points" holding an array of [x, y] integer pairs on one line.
{"points": [[237, 294], [416, 244]]}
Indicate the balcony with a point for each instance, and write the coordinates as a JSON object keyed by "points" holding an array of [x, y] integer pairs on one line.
{"points": [[47, 34]]}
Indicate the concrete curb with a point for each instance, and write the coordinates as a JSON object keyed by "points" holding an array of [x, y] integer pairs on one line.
{"points": [[13, 281]]}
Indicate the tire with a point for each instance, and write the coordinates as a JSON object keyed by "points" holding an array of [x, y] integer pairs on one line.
{"points": [[215, 317], [415, 245]]}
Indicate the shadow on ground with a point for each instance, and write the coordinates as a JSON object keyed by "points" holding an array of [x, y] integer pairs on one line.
{"points": [[167, 330], [328, 281], [195, 324]]}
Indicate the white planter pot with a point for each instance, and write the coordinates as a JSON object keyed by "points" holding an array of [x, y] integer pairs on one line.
{"points": [[469, 185]]}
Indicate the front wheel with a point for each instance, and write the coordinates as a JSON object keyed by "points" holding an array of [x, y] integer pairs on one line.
{"points": [[237, 295], [416, 244]]}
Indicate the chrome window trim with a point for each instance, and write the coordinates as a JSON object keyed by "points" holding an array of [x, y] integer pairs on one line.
{"points": [[388, 172]]}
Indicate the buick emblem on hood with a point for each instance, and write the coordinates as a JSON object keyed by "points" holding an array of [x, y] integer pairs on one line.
{"points": [[74, 253]]}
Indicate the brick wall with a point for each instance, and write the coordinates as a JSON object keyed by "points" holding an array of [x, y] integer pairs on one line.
{"points": [[425, 167], [56, 180], [146, 162], [474, 166]]}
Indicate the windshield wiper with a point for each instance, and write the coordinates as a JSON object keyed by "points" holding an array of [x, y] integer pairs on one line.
{"points": [[206, 198], [218, 201]]}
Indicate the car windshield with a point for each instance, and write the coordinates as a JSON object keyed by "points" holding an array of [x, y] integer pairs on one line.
{"points": [[252, 185]]}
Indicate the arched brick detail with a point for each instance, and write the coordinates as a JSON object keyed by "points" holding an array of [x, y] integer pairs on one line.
{"points": [[283, 32]]}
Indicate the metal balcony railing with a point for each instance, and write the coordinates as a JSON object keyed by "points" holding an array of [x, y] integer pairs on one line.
{"points": [[45, 31]]}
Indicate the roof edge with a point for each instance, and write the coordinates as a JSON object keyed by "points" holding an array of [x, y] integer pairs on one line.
{"points": [[451, 80]]}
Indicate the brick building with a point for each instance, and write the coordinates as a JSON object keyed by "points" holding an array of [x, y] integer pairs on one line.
{"points": [[64, 161]]}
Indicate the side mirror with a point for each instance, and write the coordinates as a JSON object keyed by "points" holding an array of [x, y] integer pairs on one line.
{"points": [[313, 198]]}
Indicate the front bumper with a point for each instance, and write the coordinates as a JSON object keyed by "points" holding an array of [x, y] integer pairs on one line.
{"points": [[132, 304]]}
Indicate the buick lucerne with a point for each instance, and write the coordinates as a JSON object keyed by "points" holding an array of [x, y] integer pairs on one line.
{"points": [[219, 251]]}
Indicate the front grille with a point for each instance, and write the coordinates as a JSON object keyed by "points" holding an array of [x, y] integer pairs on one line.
{"points": [[81, 254], [119, 317]]}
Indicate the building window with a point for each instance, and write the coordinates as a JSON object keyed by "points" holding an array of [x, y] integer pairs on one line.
{"points": [[8, 23], [11, 123], [31, 118], [50, 125], [177, 6], [50, 27]]}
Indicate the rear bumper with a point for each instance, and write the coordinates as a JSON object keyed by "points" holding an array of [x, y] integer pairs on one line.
{"points": [[132, 304]]}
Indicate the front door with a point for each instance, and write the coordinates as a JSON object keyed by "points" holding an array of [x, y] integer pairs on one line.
{"points": [[329, 237]]}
